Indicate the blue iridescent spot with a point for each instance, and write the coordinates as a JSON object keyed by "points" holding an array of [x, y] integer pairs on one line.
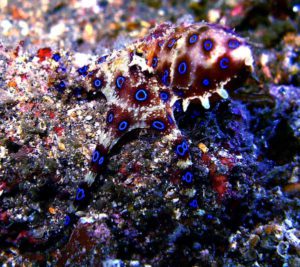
{"points": [[83, 70], [209, 217], [161, 43], [95, 156], [193, 203], [182, 68], [158, 125], [205, 82], [165, 78], [56, 57], [178, 106], [141, 95], [193, 39], [187, 177], [123, 125], [61, 86], [97, 83], [78, 91], [102, 59], [164, 96], [80, 194], [171, 42], [101, 160], [208, 45], [110, 117], [154, 62], [120, 82], [182, 149], [233, 43], [67, 220], [171, 121], [224, 63]]}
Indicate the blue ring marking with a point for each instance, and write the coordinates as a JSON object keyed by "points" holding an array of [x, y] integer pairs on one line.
{"points": [[206, 82], [110, 117], [208, 45], [187, 177], [171, 42], [141, 95], [95, 156], [67, 220], [193, 39], [182, 149], [171, 121], [161, 43], [102, 59], [120, 82], [123, 125], [193, 203], [97, 83], [154, 62], [60, 86], [164, 96], [83, 70], [56, 57], [101, 160], [184, 145], [80, 194], [165, 78], [233, 43], [158, 125], [182, 68], [224, 63], [178, 106]]}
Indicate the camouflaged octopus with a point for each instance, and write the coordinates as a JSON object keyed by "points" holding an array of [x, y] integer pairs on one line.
{"points": [[190, 62], [141, 83]]}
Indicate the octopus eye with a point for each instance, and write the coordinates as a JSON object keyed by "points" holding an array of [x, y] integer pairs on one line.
{"points": [[208, 45]]}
